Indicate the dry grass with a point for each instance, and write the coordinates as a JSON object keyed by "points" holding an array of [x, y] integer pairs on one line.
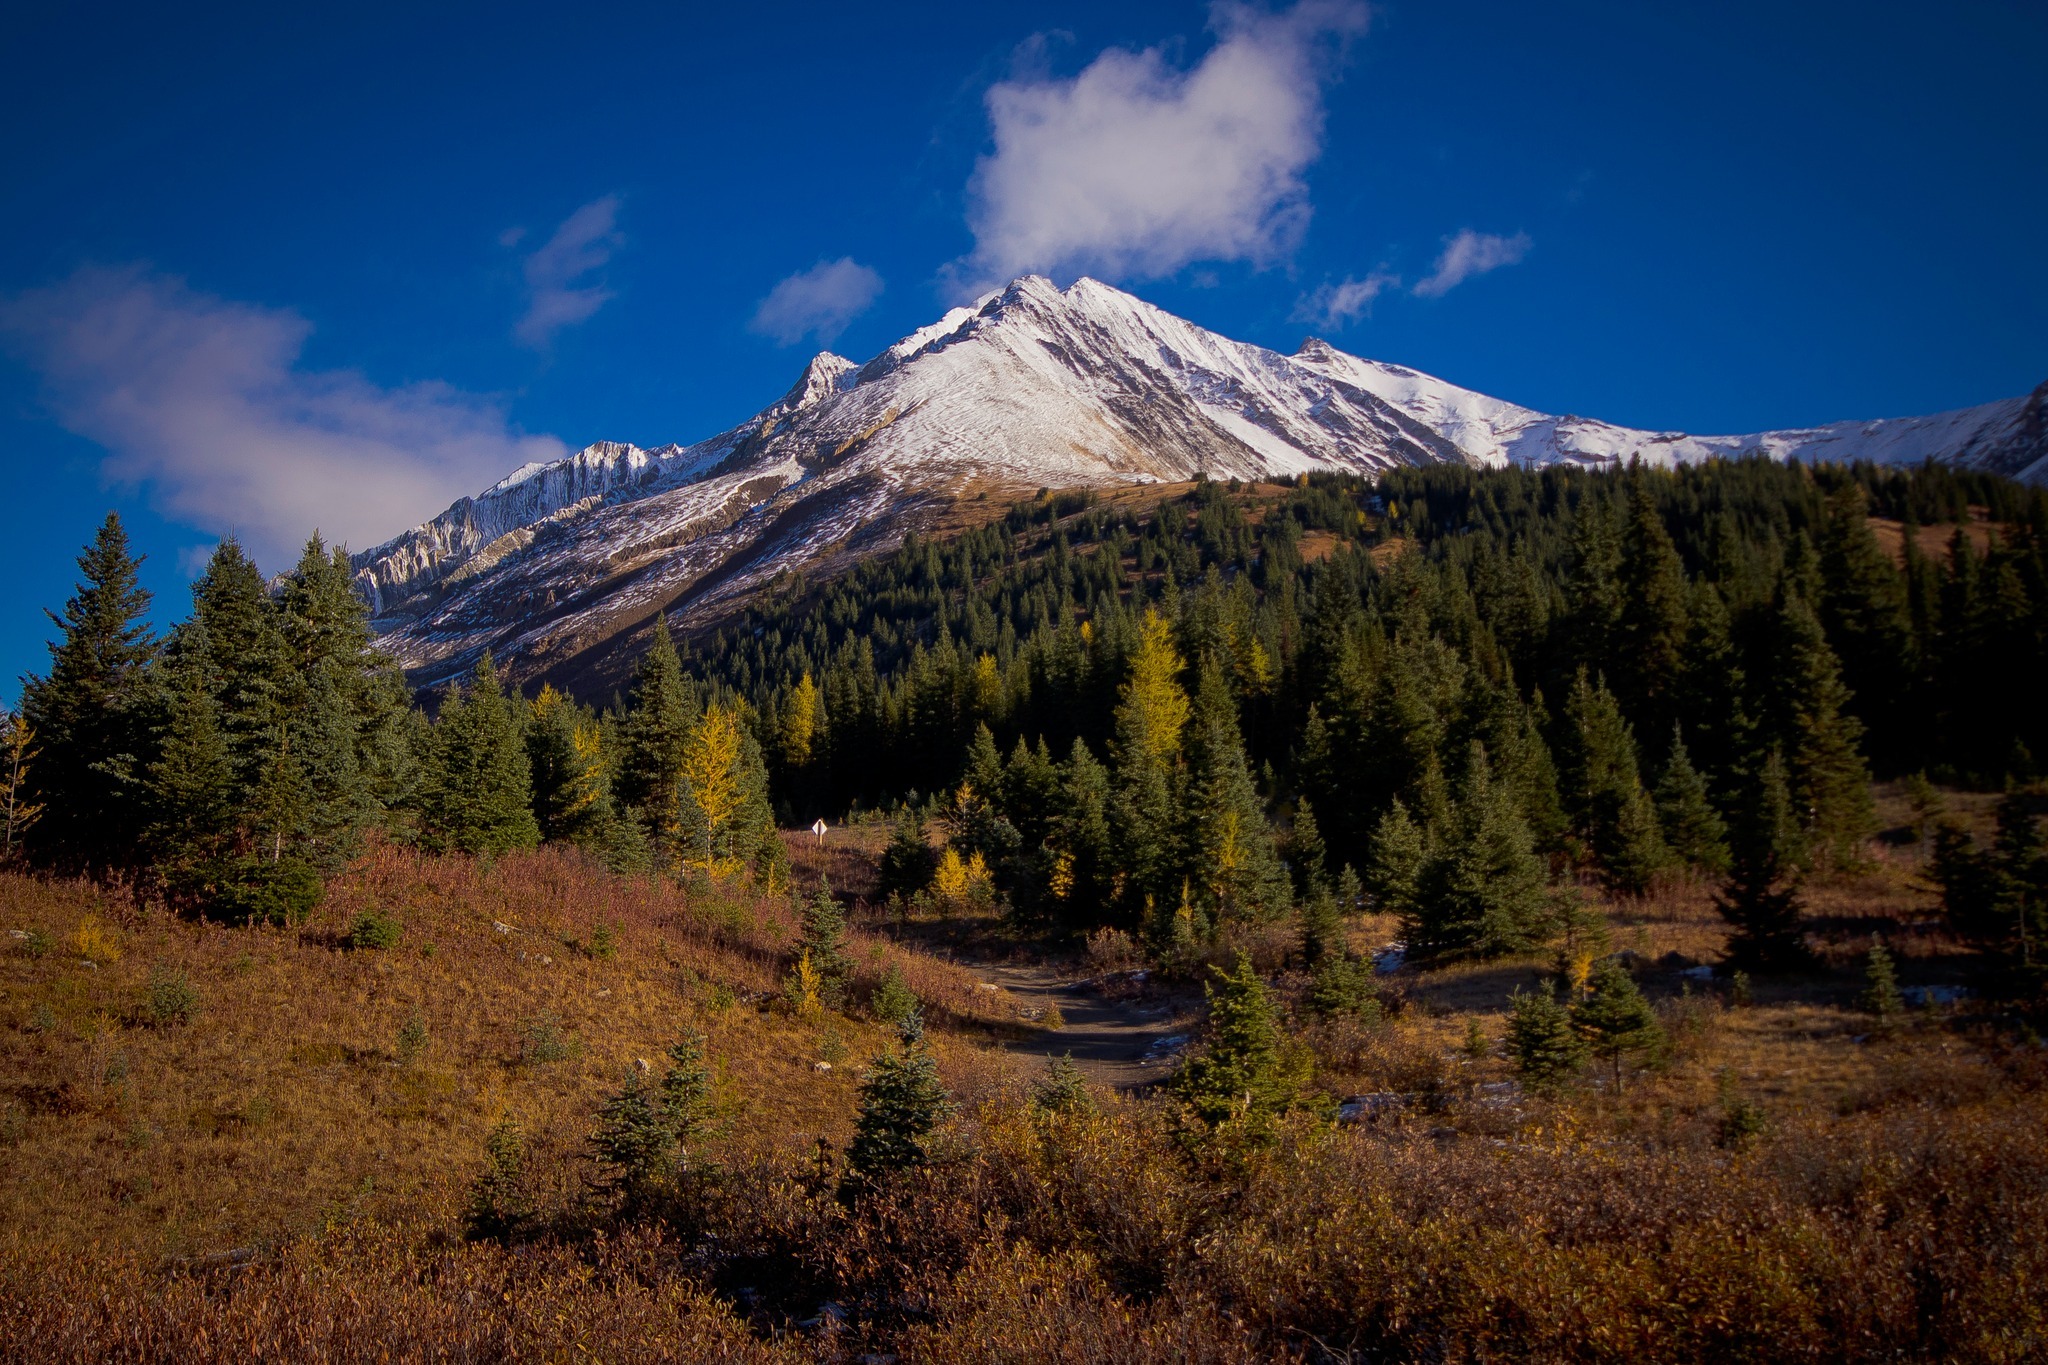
{"points": [[283, 1107], [1891, 1205]]}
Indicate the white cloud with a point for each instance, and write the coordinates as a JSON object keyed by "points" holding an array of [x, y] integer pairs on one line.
{"points": [[202, 400], [1338, 305], [1471, 253], [817, 302], [584, 242], [1136, 168]]}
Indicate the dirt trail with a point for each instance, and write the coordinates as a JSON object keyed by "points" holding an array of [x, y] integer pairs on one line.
{"points": [[1112, 1041]]}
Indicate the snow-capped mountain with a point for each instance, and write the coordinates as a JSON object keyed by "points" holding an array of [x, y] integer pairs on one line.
{"points": [[1032, 387]]}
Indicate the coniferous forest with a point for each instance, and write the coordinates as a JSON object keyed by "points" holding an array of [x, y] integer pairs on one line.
{"points": [[1564, 914]]}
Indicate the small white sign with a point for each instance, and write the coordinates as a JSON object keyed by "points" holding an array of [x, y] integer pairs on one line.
{"points": [[819, 829]]}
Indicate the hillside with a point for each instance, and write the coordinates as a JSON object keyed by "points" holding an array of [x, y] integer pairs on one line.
{"points": [[278, 1175], [1032, 387]]}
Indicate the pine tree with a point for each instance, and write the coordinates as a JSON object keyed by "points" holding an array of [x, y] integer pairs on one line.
{"points": [[686, 1104], [90, 714], [252, 669], [1761, 896], [1322, 928], [1613, 1017], [1547, 1050], [902, 1103], [192, 789], [632, 1142], [1692, 827], [1082, 880], [1862, 608], [475, 795], [565, 757], [1400, 851], [1063, 1089]]}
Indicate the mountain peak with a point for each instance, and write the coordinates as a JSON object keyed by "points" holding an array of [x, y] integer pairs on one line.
{"points": [[1030, 387]]}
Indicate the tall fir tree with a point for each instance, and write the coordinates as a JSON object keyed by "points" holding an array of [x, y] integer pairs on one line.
{"points": [[476, 794], [1693, 829], [1233, 859], [1804, 708], [1761, 899], [1602, 788], [661, 712], [91, 714]]}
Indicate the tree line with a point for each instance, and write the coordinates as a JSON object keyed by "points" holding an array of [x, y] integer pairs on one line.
{"points": [[233, 764]]}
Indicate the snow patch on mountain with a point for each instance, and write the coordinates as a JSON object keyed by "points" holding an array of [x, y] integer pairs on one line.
{"points": [[1031, 386]]}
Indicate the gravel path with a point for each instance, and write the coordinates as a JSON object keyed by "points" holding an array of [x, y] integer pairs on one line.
{"points": [[1124, 1043]]}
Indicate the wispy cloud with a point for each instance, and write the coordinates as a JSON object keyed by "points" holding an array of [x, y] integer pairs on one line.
{"points": [[1471, 253], [555, 299], [1136, 168], [202, 401], [818, 302], [1338, 305]]}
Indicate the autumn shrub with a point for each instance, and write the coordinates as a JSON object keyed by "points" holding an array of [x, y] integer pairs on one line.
{"points": [[372, 929], [171, 999]]}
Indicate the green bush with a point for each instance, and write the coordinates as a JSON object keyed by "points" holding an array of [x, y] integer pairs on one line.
{"points": [[373, 929], [171, 999], [412, 1039], [604, 943], [543, 1040], [39, 943], [893, 1002], [254, 891]]}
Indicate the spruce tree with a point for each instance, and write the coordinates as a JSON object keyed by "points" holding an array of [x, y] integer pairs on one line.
{"points": [[1881, 995], [1084, 870], [1603, 792], [632, 1142], [1652, 625], [475, 794], [1305, 848], [1862, 608], [1761, 899], [902, 1103], [1547, 1050], [565, 760], [1483, 892], [661, 713], [91, 712], [1614, 1018], [907, 863], [1240, 1074], [1692, 827], [821, 939], [1804, 707], [252, 668], [1231, 845], [191, 787]]}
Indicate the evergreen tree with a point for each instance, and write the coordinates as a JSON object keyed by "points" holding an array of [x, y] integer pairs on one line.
{"points": [[1483, 892], [1234, 862], [1804, 707], [686, 1104], [907, 863], [498, 1206], [565, 758], [1305, 847], [90, 714], [191, 786], [1400, 850], [633, 1143], [1547, 1050], [1083, 873], [821, 941], [252, 669], [1063, 1090], [475, 795], [1603, 792], [902, 1103], [1322, 928], [1761, 899], [660, 715], [1613, 1017], [1862, 608], [1997, 899], [1692, 828], [1652, 625], [1881, 995], [1240, 1075]]}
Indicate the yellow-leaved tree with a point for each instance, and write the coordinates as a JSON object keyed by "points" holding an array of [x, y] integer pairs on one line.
{"points": [[1155, 707], [712, 766], [800, 722]]}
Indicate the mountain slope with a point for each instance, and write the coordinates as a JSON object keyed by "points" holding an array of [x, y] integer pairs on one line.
{"points": [[1033, 387]]}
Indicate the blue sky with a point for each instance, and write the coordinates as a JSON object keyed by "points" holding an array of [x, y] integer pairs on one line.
{"points": [[269, 267]]}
